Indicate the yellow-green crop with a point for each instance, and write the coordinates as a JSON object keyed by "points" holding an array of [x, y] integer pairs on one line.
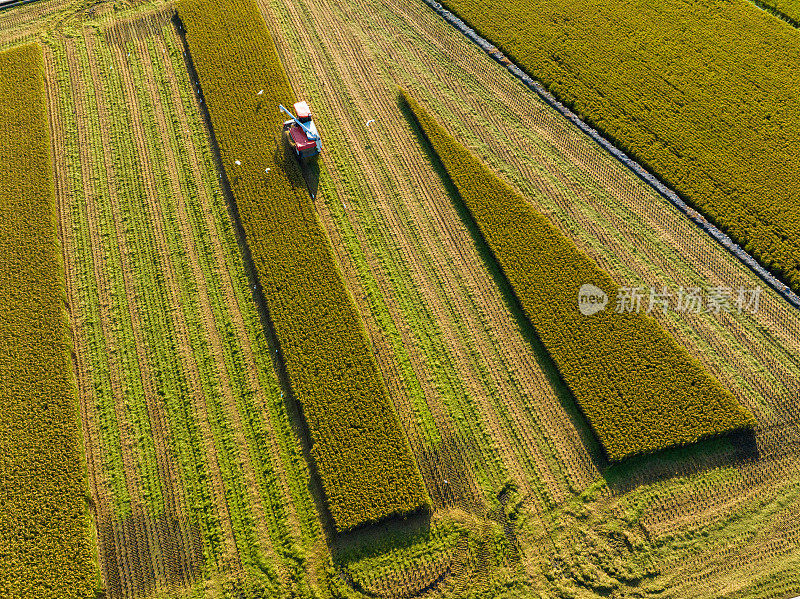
{"points": [[703, 93], [640, 390], [45, 539], [363, 458]]}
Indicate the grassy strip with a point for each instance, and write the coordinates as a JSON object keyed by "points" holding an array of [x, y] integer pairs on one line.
{"points": [[45, 546], [640, 390], [274, 421], [367, 469], [692, 106], [158, 332]]}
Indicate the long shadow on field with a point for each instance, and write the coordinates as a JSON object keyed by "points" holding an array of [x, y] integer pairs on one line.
{"points": [[543, 359], [623, 476], [726, 450], [291, 404]]}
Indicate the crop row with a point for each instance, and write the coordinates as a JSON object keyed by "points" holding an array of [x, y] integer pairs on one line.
{"points": [[362, 455], [693, 105], [639, 389], [45, 545]]}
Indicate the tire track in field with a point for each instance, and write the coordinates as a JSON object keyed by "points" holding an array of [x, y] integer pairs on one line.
{"points": [[232, 304], [189, 365], [24, 21], [241, 460]]}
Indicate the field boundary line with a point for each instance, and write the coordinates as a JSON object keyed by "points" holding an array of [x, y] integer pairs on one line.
{"points": [[778, 14], [4, 5], [696, 217]]}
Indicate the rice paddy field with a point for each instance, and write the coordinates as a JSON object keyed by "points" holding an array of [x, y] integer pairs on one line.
{"points": [[244, 329]]}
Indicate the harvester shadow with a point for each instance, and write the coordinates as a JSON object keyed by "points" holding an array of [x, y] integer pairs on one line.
{"points": [[310, 170], [729, 449]]}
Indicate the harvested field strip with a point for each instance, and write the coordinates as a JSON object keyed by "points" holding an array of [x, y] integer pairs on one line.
{"points": [[144, 281], [44, 527], [330, 363], [90, 333], [275, 428], [170, 243], [676, 127], [219, 498], [23, 22], [101, 434]]}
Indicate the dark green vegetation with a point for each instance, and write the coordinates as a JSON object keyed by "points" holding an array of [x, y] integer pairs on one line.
{"points": [[640, 390], [695, 90], [45, 545], [363, 458]]}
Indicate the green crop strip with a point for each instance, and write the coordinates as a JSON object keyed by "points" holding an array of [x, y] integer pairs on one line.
{"points": [[363, 458], [290, 456], [87, 306], [45, 545], [695, 107], [639, 389], [136, 231]]}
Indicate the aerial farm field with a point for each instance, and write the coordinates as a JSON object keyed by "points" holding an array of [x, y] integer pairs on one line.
{"points": [[227, 373]]}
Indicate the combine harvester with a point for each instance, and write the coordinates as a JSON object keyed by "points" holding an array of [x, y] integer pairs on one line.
{"points": [[301, 133]]}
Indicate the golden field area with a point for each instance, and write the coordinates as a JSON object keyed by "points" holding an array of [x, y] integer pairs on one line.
{"points": [[230, 373]]}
